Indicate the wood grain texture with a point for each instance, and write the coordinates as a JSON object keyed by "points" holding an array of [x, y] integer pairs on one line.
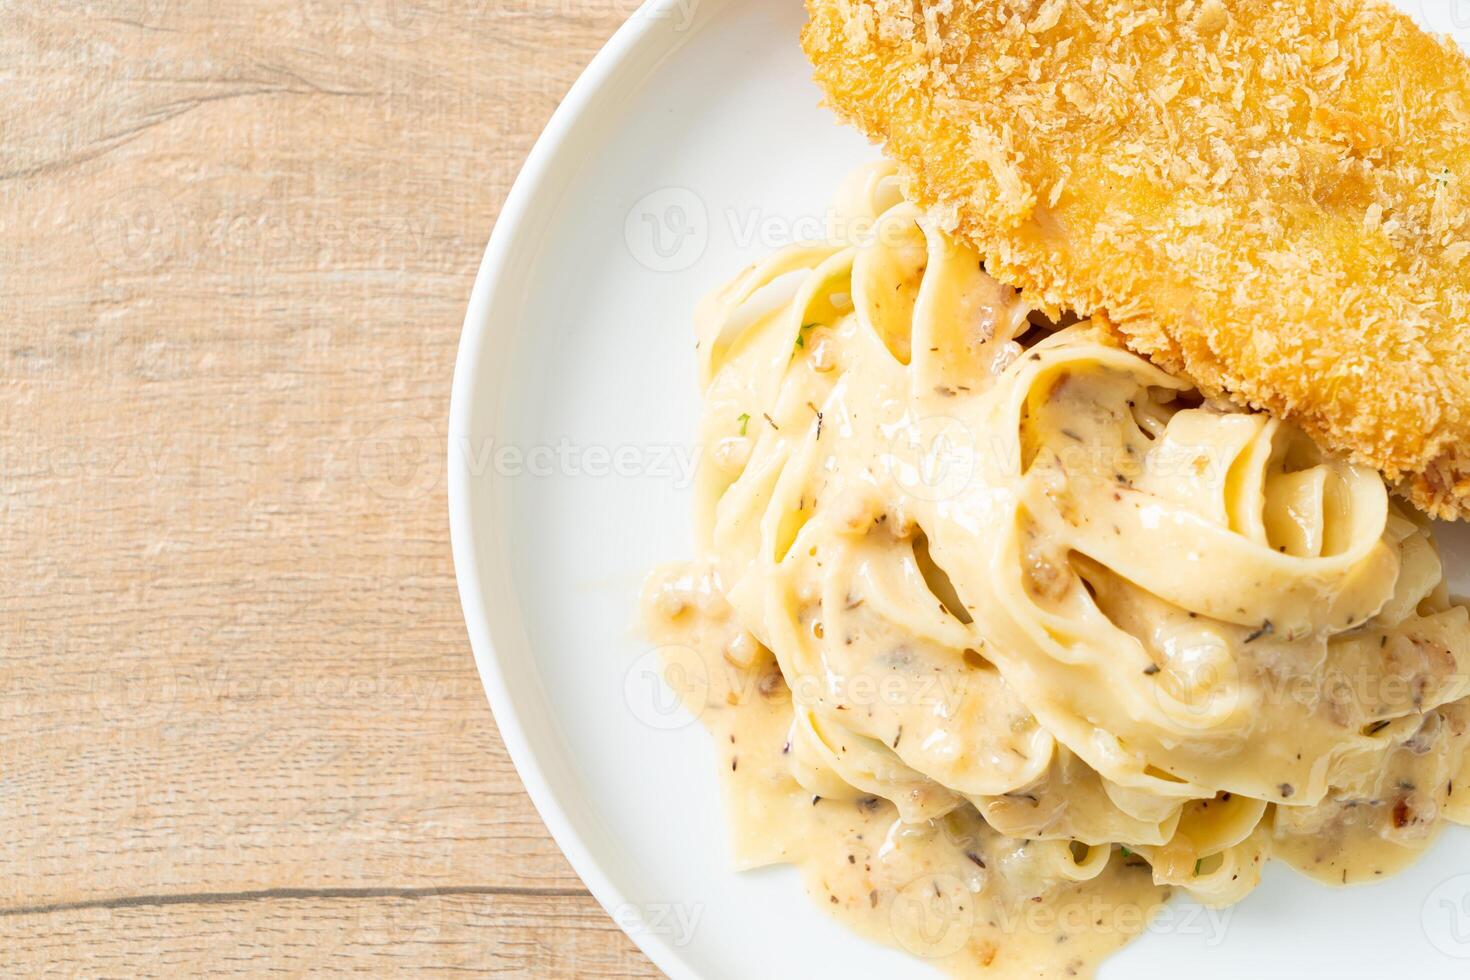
{"points": [[236, 242], [373, 935]]}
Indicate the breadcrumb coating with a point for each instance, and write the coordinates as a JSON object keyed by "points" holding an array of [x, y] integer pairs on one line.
{"points": [[1267, 196]]}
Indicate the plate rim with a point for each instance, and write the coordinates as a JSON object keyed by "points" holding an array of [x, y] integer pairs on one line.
{"points": [[637, 36], [638, 40]]}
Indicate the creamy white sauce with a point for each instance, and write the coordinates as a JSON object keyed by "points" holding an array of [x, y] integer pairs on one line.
{"points": [[1008, 633]]}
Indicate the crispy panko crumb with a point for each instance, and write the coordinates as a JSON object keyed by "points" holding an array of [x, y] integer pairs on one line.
{"points": [[1267, 196]]}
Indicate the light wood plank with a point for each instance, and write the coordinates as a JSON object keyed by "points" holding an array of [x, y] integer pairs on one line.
{"points": [[396, 935], [236, 241]]}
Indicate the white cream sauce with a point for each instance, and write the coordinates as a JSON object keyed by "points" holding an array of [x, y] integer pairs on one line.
{"points": [[1008, 633]]}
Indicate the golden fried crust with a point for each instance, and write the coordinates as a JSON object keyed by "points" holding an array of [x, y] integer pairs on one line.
{"points": [[1268, 196]]}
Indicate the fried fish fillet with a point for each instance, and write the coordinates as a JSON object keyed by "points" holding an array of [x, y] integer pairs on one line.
{"points": [[1267, 196]]}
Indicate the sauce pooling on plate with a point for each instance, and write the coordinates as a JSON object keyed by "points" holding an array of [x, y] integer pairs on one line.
{"points": [[1005, 634]]}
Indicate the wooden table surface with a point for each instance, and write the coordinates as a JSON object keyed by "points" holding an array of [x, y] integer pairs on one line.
{"points": [[240, 728]]}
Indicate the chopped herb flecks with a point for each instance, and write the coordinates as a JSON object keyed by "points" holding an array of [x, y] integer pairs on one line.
{"points": [[801, 334]]}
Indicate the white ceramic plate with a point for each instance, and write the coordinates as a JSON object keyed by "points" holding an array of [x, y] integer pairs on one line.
{"points": [[692, 146]]}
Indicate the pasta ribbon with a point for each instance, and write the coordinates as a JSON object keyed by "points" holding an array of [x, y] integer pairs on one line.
{"points": [[1049, 604]]}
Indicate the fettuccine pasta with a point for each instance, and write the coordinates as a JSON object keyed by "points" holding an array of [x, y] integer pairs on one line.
{"points": [[1006, 633]]}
